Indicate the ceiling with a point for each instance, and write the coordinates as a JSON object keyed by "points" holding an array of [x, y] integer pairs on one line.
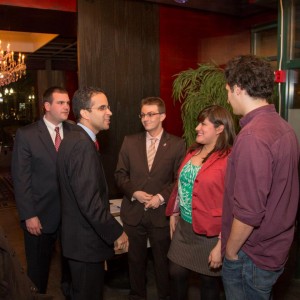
{"points": [[62, 51], [236, 8]]}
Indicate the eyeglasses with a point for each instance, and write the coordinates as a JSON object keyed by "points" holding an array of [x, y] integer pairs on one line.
{"points": [[101, 107], [149, 115]]}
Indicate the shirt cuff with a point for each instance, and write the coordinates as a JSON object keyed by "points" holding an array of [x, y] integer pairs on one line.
{"points": [[162, 200]]}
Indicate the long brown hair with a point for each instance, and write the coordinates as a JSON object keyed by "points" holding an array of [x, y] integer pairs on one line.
{"points": [[217, 115]]}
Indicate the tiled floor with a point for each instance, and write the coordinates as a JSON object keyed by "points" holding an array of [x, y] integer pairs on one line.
{"points": [[287, 288]]}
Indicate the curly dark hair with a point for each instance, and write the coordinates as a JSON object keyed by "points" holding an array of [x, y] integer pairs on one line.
{"points": [[252, 74]]}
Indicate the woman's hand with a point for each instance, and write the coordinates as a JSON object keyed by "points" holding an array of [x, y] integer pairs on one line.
{"points": [[173, 222], [215, 257]]}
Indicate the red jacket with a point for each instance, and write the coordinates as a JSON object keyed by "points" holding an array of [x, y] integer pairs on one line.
{"points": [[207, 196]]}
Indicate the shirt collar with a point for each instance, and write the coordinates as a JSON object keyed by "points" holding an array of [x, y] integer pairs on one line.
{"points": [[253, 113], [158, 137], [88, 131], [50, 125]]}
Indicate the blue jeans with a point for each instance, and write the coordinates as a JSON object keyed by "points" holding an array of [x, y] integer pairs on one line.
{"points": [[243, 280]]}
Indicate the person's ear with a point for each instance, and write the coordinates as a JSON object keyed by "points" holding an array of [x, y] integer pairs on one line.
{"points": [[47, 106], [220, 129], [162, 116], [84, 114]]}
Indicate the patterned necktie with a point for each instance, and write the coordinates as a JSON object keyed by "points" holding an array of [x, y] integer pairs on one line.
{"points": [[97, 145], [151, 152], [57, 138]]}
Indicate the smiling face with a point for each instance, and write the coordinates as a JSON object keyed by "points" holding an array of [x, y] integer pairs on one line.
{"points": [[97, 116], [207, 134], [153, 123], [58, 110]]}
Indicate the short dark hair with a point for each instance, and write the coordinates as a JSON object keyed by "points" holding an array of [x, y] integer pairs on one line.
{"points": [[252, 74], [82, 99], [218, 115], [154, 101], [48, 94]]}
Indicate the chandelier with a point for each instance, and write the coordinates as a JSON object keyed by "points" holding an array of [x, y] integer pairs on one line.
{"points": [[11, 69]]}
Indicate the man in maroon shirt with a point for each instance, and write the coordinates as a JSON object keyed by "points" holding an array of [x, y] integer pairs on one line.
{"points": [[261, 187]]}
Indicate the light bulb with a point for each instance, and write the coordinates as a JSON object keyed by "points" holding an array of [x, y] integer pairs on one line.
{"points": [[181, 1]]}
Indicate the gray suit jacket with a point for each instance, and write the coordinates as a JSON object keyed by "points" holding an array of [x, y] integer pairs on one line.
{"points": [[132, 174], [34, 175]]}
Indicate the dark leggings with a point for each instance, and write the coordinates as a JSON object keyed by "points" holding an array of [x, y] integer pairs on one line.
{"points": [[209, 285]]}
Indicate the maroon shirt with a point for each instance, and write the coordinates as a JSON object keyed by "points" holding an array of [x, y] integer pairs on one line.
{"points": [[262, 186]]}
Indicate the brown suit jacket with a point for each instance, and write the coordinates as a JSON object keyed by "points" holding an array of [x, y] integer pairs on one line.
{"points": [[132, 174]]}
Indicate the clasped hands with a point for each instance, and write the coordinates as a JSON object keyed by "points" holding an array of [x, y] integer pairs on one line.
{"points": [[149, 200]]}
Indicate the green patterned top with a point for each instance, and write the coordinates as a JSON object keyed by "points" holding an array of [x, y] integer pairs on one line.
{"points": [[185, 189]]}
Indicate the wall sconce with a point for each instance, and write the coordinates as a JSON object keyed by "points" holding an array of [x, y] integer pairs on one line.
{"points": [[8, 92], [31, 98]]}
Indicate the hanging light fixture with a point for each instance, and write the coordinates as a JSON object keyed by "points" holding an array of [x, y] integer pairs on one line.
{"points": [[181, 1], [11, 69]]}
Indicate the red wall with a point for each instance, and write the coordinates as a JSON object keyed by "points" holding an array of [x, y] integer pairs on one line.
{"points": [[65, 5], [182, 32]]}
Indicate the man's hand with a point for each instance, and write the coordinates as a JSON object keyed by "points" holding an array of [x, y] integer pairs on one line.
{"points": [[173, 222], [122, 242], [34, 226], [238, 235], [142, 197], [153, 203]]}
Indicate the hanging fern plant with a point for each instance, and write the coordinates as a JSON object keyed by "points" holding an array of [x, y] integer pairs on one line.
{"points": [[198, 88]]}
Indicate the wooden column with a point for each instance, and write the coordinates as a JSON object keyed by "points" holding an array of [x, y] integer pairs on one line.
{"points": [[118, 51]]}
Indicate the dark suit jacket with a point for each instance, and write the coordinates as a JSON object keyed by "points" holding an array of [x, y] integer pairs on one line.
{"points": [[34, 175], [132, 174], [88, 228]]}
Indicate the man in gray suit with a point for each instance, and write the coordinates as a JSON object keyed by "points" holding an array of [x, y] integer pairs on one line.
{"points": [[146, 170], [36, 185]]}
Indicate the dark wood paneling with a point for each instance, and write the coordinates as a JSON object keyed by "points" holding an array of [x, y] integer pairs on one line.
{"points": [[119, 52], [38, 20]]}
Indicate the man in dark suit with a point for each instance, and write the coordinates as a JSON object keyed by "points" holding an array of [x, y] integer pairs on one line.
{"points": [[89, 231], [36, 185], [146, 170]]}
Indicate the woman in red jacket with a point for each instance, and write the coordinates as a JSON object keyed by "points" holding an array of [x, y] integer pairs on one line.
{"points": [[195, 206]]}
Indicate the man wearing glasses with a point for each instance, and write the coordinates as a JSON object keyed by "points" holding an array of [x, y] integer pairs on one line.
{"points": [[89, 231], [146, 170]]}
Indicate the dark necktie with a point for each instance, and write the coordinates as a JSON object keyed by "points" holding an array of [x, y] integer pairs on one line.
{"points": [[97, 145], [57, 138]]}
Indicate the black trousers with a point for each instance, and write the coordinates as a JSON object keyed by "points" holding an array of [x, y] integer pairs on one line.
{"points": [[87, 280], [159, 238], [209, 285], [38, 250]]}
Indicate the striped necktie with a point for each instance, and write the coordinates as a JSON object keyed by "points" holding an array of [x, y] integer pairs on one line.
{"points": [[151, 152], [57, 140]]}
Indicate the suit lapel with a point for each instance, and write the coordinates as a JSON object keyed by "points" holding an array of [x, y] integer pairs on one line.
{"points": [[142, 149], [45, 138]]}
